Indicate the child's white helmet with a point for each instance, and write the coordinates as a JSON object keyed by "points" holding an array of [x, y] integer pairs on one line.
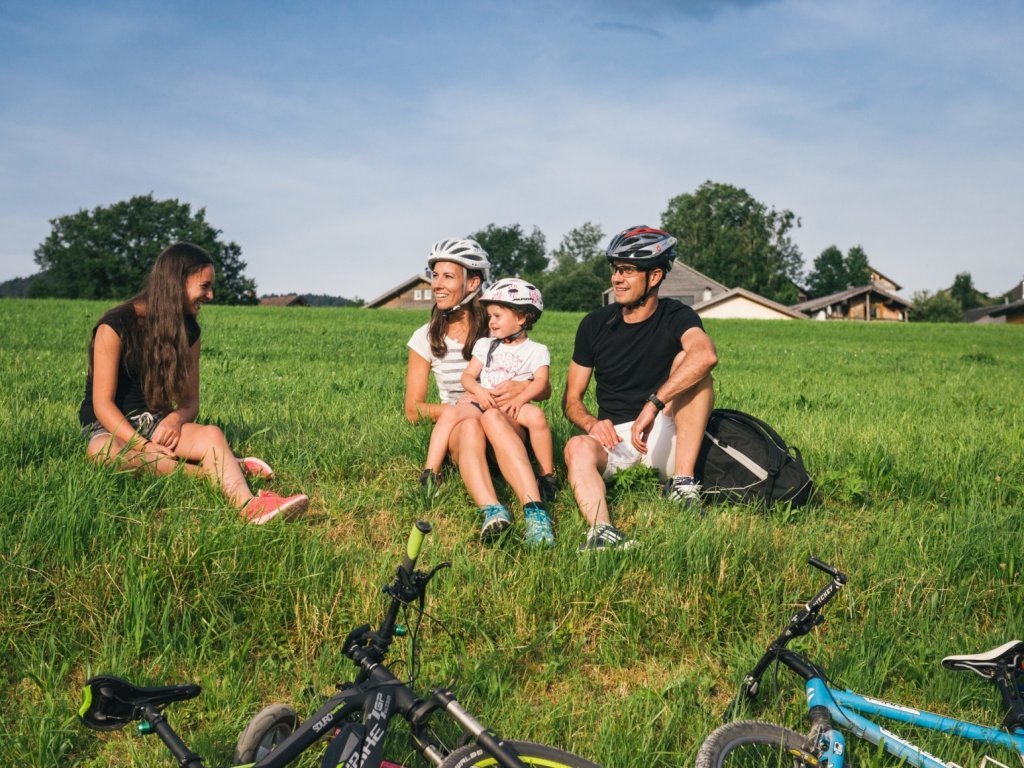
{"points": [[515, 293]]}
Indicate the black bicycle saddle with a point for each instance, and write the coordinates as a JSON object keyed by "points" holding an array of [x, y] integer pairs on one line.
{"points": [[109, 702]]}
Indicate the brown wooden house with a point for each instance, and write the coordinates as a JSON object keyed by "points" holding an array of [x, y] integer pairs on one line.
{"points": [[414, 293], [864, 302]]}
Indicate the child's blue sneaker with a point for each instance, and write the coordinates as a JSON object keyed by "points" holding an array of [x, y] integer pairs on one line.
{"points": [[538, 528], [496, 522]]}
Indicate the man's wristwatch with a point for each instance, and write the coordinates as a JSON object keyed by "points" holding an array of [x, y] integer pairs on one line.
{"points": [[653, 398]]}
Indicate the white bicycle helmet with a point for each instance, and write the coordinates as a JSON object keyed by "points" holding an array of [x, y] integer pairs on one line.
{"points": [[644, 246], [464, 251], [515, 293]]}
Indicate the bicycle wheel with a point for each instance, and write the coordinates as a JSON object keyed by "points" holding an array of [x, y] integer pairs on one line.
{"points": [[266, 730], [752, 744], [542, 756]]}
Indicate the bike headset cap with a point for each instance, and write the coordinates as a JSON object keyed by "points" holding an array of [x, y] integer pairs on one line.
{"points": [[470, 254]]}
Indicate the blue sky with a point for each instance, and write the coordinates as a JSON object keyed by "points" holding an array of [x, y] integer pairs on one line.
{"points": [[334, 142]]}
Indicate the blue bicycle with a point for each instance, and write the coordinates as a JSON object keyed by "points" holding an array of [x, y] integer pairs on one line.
{"points": [[834, 713]]}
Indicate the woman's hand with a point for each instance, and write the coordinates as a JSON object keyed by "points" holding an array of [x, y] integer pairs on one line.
{"points": [[168, 431], [505, 393]]}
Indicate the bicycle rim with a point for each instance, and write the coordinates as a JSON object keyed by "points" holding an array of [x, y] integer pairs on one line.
{"points": [[537, 755], [750, 744]]}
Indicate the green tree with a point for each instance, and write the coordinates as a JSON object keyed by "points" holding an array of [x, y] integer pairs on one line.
{"points": [[513, 253], [579, 272], [833, 272], [731, 237], [858, 271], [828, 274], [935, 308], [579, 246], [106, 253], [963, 291]]}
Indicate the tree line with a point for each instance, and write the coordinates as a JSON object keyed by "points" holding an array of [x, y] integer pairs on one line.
{"points": [[723, 232]]}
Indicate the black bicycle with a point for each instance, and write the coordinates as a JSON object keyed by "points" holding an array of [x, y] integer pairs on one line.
{"points": [[354, 720]]}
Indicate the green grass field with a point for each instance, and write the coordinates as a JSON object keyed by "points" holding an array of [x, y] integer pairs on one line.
{"points": [[913, 434]]}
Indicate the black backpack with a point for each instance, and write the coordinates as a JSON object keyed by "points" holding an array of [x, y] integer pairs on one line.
{"points": [[744, 459]]}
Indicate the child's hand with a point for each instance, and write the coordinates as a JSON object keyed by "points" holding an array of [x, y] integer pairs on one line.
{"points": [[512, 407]]}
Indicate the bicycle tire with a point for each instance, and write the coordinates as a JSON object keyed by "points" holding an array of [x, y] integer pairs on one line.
{"points": [[270, 726], [753, 744], [539, 755]]}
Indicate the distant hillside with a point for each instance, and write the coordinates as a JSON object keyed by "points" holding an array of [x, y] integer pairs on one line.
{"points": [[321, 299], [16, 288]]}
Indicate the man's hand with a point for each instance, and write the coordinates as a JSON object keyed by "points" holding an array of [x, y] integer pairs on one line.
{"points": [[604, 432], [642, 426]]}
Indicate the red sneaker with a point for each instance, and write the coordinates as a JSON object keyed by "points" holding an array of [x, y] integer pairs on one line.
{"points": [[253, 467], [267, 505]]}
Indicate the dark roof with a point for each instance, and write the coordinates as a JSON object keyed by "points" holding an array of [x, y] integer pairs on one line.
{"points": [[1007, 309], [288, 300], [994, 310]]}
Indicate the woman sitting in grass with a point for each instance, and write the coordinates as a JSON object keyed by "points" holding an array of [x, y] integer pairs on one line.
{"points": [[142, 390], [458, 270]]}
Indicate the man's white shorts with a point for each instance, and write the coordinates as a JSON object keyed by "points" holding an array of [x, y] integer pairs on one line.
{"points": [[661, 449]]}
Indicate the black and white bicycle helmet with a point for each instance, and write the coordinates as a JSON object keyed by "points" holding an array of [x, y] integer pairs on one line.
{"points": [[644, 246], [515, 293], [468, 253]]}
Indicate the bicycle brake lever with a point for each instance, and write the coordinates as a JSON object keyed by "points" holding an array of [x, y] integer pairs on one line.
{"points": [[356, 637], [435, 569]]}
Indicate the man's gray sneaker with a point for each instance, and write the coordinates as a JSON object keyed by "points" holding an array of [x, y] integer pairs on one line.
{"points": [[496, 522], [605, 536], [684, 490]]}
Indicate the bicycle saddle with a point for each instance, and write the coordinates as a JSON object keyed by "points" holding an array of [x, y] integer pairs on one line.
{"points": [[109, 702], [987, 664]]}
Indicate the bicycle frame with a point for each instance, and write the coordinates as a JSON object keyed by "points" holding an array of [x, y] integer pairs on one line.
{"points": [[832, 711], [843, 708], [357, 717]]}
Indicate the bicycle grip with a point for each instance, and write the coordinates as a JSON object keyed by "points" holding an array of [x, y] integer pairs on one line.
{"points": [[412, 548]]}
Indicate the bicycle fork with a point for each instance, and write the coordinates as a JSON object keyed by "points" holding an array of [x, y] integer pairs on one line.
{"points": [[828, 742], [445, 699]]}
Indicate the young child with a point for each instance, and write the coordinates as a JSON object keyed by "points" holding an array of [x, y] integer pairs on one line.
{"points": [[142, 390], [513, 306]]}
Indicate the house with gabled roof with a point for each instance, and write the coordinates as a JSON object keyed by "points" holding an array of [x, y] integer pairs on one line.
{"points": [[711, 298], [743, 304], [413, 293], [682, 283], [1010, 311], [864, 302]]}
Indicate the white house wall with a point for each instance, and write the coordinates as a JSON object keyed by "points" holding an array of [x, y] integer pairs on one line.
{"points": [[741, 308]]}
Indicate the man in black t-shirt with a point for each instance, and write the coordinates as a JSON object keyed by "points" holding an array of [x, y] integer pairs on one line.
{"points": [[652, 362]]}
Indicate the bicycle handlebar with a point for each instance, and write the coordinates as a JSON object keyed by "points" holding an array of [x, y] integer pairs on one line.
{"points": [[802, 623], [412, 548]]}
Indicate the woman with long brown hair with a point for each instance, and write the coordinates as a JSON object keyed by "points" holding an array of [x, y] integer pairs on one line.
{"points": [[142, 391]]}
